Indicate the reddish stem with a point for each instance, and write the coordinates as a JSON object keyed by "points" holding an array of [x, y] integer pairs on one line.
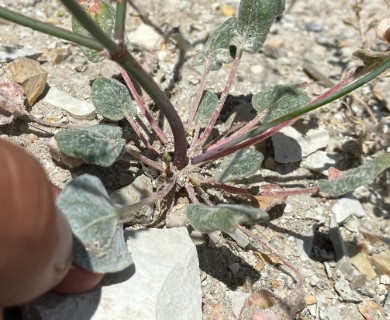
{"points": [[236, 134], [191, 193], [145, 110], [199, 93], [206, 133], [149, 162], [138, 132]]}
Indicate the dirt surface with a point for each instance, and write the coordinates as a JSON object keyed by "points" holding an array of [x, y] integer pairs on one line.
{"points": [[321, 33]]}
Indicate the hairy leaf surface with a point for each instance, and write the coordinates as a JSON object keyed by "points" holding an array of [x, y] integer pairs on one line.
{"points": [[218, 48], [112, 99], [207, 105], [98, 240], [104, 15], [356, 177], [241, 164], [100, 144], [224, 217], [279, 101], [255, 18]]}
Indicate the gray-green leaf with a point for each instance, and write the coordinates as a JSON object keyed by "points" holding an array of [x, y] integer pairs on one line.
{"points": [[225, 217], [206, 108], [241, 164], [255, 18], [100, 144], [112, 99], [218, 48], [104, 15], [356, 177], [279, 101], [98, 239]]}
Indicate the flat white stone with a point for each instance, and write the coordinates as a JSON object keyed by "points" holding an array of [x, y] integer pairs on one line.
{"points": [[146, 37], [165, 284], [79, 109], [140, 188], [313, 140], [346, 207], [10, 52], [318, 161]]}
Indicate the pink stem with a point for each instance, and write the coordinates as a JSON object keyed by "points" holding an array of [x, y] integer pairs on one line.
{"points": [[191, 193], [199, 93], [149, 162], [145, 110], [138, 132], [236, 134], [222, 100]]}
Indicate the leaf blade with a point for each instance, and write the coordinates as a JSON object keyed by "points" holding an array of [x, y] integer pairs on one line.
{"points": [[255, 18], [207, 105], [224, 217], [241, 164], [279, 101], [111, 99], [99, 244], [99, 144], [356, 177]]}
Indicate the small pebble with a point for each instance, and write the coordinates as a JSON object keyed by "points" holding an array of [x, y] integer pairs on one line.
{"points": [[384, 279]]}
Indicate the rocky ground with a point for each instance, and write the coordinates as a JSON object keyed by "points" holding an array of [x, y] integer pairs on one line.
{"points": [[340, 246]]}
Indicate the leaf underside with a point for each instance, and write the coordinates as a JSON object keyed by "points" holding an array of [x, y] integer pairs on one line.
{"points": [[99, 244], [218, 49], [241, 164], [206, 108], [112, 99], [355, 178], [104, 15], [99, 144], [224, 217], [255, 18]]}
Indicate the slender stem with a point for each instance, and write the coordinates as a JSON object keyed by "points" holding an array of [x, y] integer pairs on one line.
{"points": [[138, 132], [243, 130], [120, 19], [50, 29], [258, 134], [149, 162], [145, 110], [199, 93], [191, 193], [121, 56], [125, 211], [291, 192], [225, 187], [225, 93], [194, 140]]}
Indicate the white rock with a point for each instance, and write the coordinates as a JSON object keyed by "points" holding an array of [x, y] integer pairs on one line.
{"points": [[346, 207], [146, 37], [165, 284], [9, 52], [238, 300], [313, 140], [141, 188], [318, 161], [79, 109]]}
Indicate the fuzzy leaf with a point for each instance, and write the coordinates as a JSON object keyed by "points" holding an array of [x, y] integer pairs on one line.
{"points": [[356, 177], [255, 18], [98, 240], [207, 105], [225, 217], [218, 48], [279, 101], [100, 144], [104, 14], [241, 164], [112, 99]]}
